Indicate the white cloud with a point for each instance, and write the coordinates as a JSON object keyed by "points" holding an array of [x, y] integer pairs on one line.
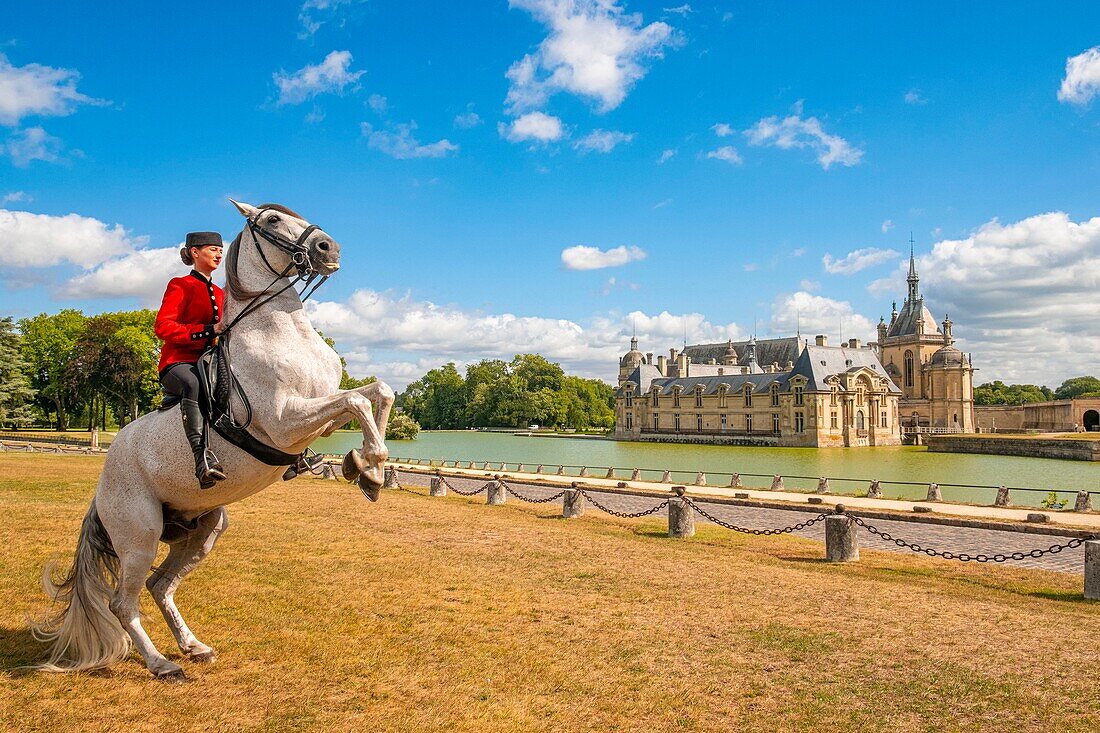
{"points": [[400, 143], [405, 337], [798, 252], [857, 260], [467, 119], [665, 156], [40, 90], [595, 49], [1022, 296], [315, 115], [1082, 80], [332, 75], [662, 204], [378, 103], [41, 240], [815, 314], [809, 285], [535, 126], [727, 153], [315, 13], [684, 9], [913, 96], [141, 274], [722, 129], [15, 196], [33, 143], [794, 131], [887, 226], [750, 267], [602, 141], [582, 257]]}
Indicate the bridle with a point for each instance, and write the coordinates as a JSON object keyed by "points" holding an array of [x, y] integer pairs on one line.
{"points": [[300, 262]]}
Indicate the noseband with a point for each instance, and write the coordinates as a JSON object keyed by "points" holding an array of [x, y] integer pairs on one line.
{"points": [[299, 253]]}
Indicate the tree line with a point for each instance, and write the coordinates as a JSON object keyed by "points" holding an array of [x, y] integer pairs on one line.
{"points": [[495, 393], [999, 393], [71, 371]]}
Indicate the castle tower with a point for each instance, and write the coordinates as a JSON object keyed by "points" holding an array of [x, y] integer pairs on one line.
{"points": [[631, 360]]}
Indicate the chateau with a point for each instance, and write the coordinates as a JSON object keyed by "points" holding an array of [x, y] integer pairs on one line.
{"points": [[788, 392]]}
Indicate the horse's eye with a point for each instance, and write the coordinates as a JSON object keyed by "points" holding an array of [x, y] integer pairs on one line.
{"points": [[274, 219]]}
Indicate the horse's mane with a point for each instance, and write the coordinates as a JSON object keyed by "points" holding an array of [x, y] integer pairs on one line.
{"points": [[282, 209]]}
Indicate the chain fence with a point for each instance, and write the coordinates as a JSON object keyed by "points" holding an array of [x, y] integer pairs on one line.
{"points": [[709, 515]]}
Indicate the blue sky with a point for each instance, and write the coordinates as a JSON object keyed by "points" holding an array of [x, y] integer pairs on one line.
{"points": [[721, 166]]}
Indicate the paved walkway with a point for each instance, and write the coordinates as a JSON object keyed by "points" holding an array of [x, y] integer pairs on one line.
{"points": [[941, 537]]}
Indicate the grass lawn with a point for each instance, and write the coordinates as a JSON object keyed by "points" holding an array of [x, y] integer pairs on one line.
{"points": [[416, 613]]}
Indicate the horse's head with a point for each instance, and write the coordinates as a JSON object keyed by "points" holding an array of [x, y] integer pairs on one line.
{"points": [[286, 240]]}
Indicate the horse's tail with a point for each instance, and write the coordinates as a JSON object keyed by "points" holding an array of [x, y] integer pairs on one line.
{"points": [[84, 634]]}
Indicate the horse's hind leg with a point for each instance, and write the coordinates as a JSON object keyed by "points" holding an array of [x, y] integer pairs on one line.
{"points": [[184, 556], [135, 524]]}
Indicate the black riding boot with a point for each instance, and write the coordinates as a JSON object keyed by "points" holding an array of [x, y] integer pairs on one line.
{"points": [[207, 468]]}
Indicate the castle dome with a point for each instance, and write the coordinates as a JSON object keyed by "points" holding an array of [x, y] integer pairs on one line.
{"points": [[948, 356]]}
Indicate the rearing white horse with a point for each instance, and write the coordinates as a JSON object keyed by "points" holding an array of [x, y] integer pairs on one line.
{"points": [[147, 493]]}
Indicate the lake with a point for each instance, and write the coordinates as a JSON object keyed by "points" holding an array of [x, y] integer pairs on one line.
{"points": [[912, 466]]}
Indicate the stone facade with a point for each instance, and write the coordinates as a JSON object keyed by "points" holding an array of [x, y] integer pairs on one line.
{"points": [[1057, 416], [937, 380], [820, 396]]}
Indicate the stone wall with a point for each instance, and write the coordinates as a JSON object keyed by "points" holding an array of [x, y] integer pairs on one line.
{"points": [[1068, 449]]}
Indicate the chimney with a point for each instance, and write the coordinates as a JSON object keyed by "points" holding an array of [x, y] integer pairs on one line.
{"points": [[821, 340], [672, 354], [853, 343], [649, 358], [721, 371]]}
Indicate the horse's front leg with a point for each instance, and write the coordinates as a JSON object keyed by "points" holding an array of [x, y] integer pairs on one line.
{"points": [[302, 417]]}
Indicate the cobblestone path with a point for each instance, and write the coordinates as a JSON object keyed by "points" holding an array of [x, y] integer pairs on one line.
{"points": [[941, 537]]}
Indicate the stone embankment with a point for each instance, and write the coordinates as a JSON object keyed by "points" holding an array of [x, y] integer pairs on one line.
{"points": [[1032, 447]]}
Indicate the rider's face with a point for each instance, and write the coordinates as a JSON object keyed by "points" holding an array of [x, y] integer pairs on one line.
{"points": [[207, 258]]}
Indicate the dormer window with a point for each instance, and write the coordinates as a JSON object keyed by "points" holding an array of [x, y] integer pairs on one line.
{"points": [[722, 389], [748, 395], [799, 396]]}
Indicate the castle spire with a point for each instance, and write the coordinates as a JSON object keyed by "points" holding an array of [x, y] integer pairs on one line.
{"points": [[912, 278]]}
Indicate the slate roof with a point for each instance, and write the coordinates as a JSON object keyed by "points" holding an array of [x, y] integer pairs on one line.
{"points": [[819, 362], [906, 322], [768, 351]]}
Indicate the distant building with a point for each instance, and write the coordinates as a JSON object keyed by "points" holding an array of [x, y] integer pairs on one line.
{"points": [[803, 395], [1080, 414], [936, 379]]}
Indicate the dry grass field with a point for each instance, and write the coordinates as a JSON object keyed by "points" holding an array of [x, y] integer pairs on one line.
{"points": [[414, 613]]}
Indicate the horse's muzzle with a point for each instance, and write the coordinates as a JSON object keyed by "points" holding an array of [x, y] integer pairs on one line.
{"points": [[324, 254]]}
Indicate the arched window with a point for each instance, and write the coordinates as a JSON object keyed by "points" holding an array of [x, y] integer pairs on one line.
{"points": [[775, 395], [859, 419], [908, 368]]}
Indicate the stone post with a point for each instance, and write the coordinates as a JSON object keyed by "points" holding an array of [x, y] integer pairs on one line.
{"points": [[1002, 497], [636, 475], [681, 518], [875, 491], [777, 483], [95, 438], [840, 538], [496, 492], [1092, 570], [389, 480], [503, 466], [823, 485], [572, 504], [437, 488], [610, 473], [519, 468], [735, 481], [934, 493], [667, 478], [539, 469], [584, 472], [1083, 502], [700, 479], [561, 470]]}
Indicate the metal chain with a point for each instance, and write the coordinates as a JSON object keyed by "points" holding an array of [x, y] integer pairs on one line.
{"points": [[460, 492], [963, 556], [749, 530], [623, 515], [397, 480], [529, 499]]}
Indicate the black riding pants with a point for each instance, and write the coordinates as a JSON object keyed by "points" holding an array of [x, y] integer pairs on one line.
{"points": [[181, 380]]}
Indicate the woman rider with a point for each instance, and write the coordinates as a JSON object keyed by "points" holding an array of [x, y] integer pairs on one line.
{"points": [[188, 321]]}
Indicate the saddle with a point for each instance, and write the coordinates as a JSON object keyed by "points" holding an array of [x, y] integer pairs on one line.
{"points": [[218, 383]]}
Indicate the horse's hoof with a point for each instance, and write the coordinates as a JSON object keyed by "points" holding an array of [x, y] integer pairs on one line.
{"points": [[203, 657], [172, 676], [353, 465], [370, 489]]}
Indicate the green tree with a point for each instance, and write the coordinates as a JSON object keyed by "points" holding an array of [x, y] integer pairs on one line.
{"points": [[437, 400], [999, 393], [1078, 387], [16, 393], [401, 427], [47, 346]]}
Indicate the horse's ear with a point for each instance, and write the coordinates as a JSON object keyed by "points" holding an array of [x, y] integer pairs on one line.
{"points": [[247, 210]]}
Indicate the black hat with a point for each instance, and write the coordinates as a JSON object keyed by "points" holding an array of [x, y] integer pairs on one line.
{"points": [[204, 239]]}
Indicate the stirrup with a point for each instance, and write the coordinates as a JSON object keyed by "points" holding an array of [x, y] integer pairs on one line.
{"points": [[309, 461], [210, 472]]}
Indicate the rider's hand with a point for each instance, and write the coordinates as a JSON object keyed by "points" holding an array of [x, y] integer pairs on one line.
{"points": [[219, 327]]}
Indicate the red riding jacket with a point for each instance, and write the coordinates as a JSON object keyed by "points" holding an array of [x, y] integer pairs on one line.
{"points": [[185, 322]]}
